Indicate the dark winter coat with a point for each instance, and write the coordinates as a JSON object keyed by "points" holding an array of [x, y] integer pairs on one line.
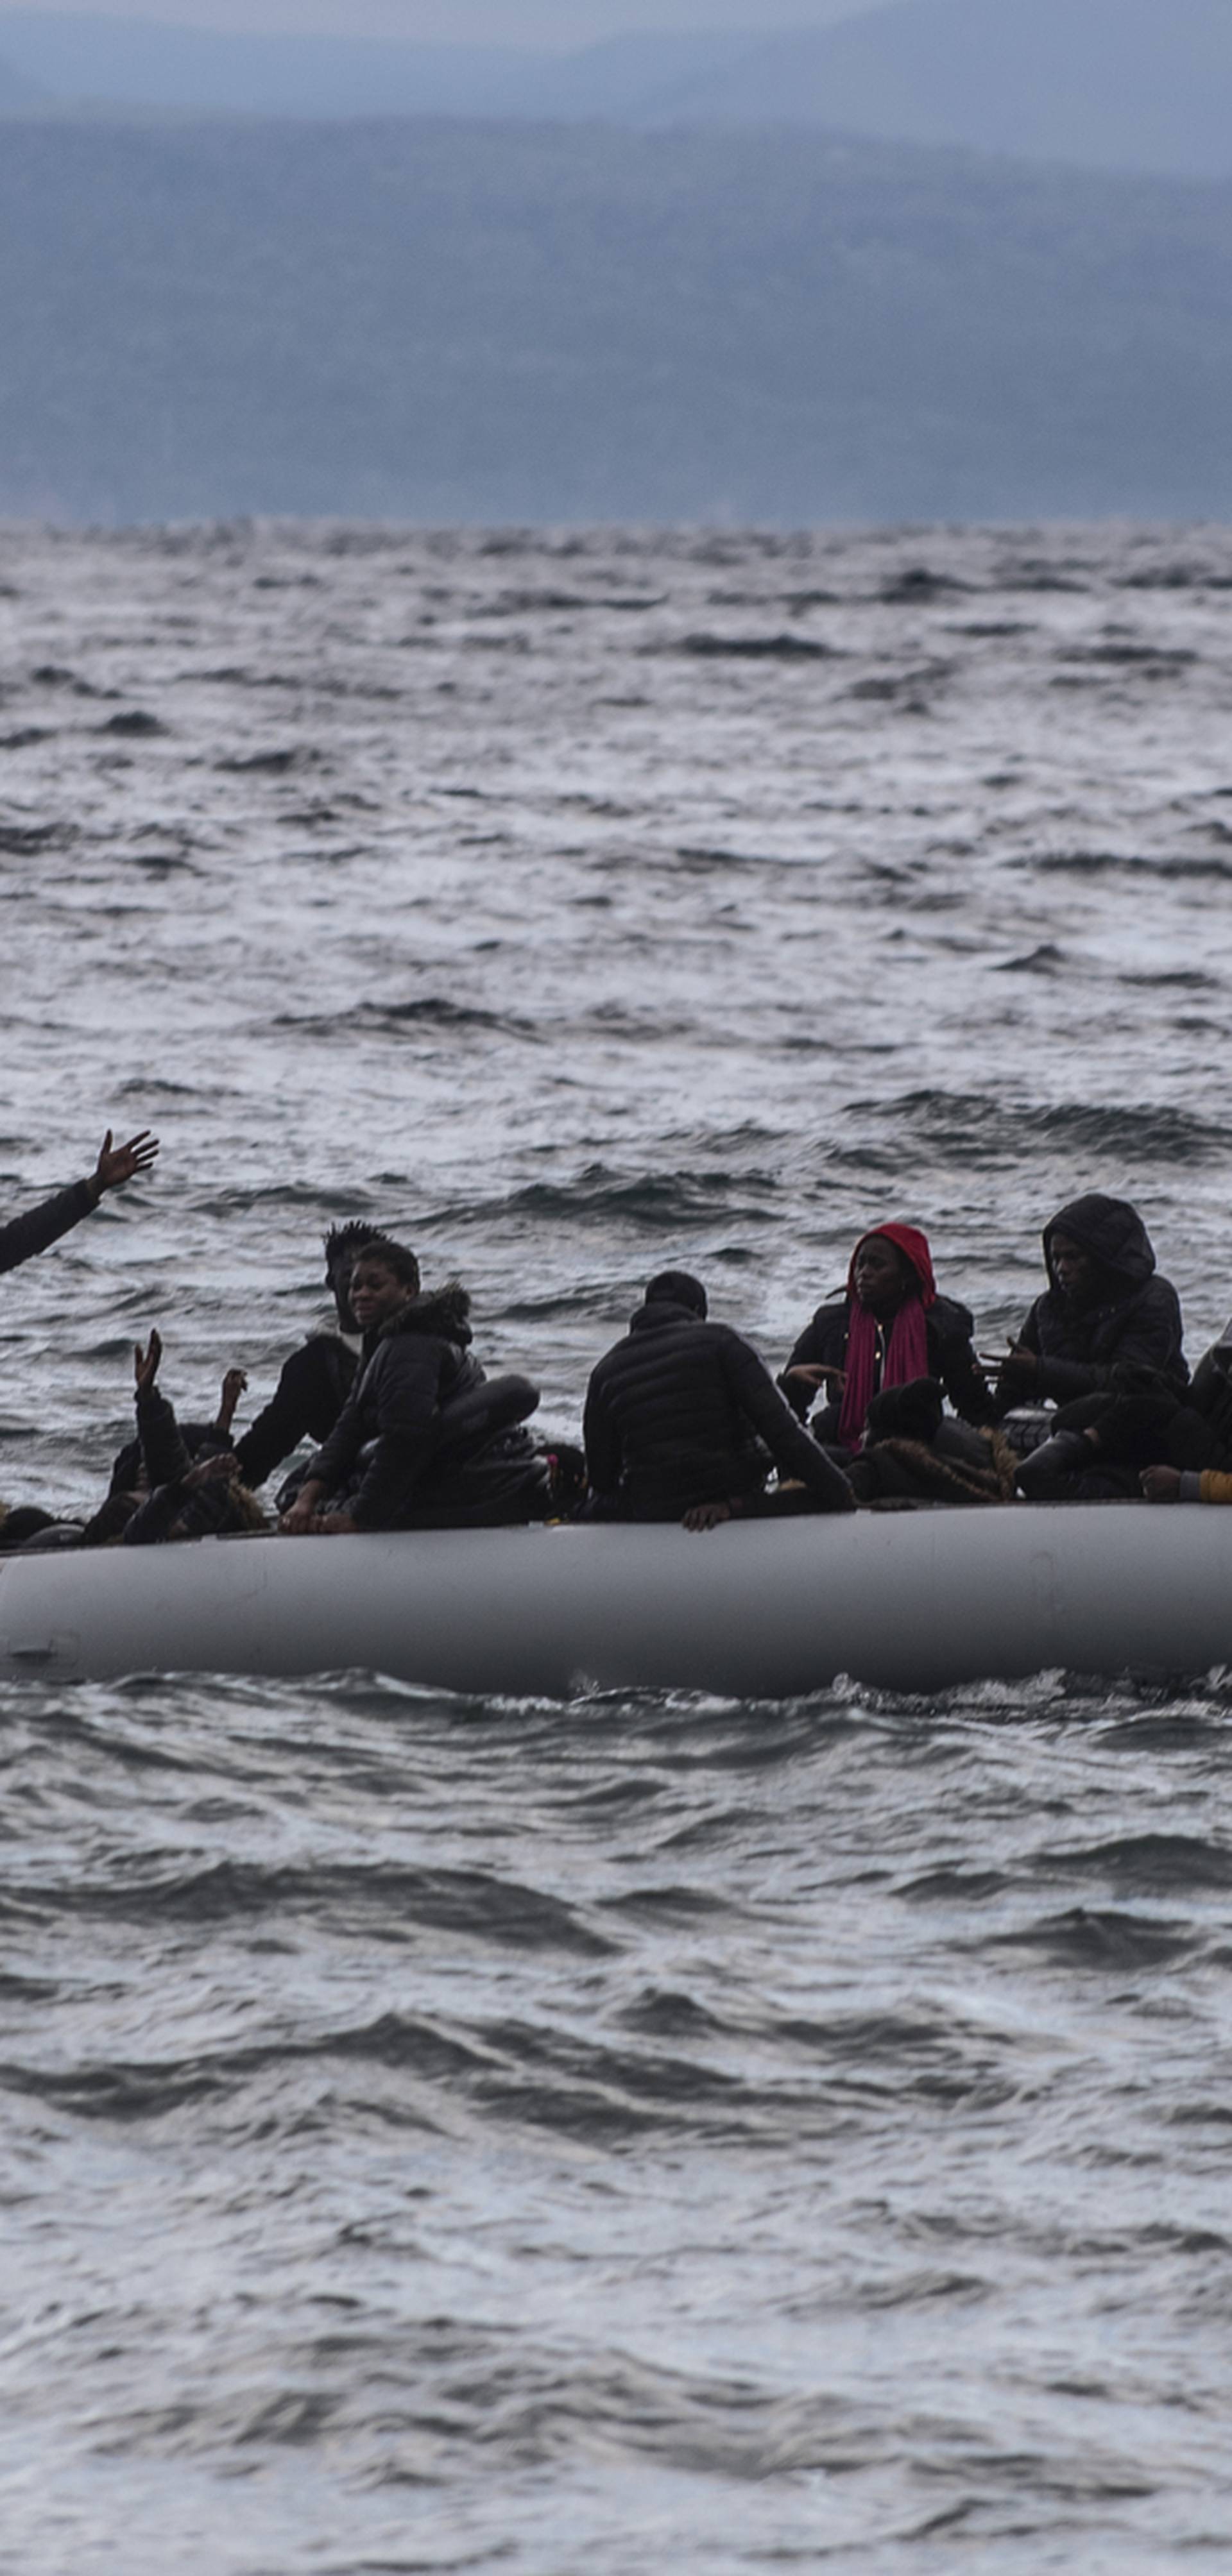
{"points": [[925, 1471], [683, 1412], [951, 1358], [1136, 1320], [1144, 1420], [23, 1236], [1210, 1396], [390, 1460], [305, 1405]]}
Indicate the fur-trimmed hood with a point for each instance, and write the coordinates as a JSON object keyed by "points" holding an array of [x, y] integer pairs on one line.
{"points": [[904, 1471], [442, 1311]]}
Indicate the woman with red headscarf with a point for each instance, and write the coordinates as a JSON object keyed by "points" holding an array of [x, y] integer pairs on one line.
{"points": [[890, 1328]]}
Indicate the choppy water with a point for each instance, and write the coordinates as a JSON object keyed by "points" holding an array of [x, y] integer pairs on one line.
{"points": [[450, 2136]]}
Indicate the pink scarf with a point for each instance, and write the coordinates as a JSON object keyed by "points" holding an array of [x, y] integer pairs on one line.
{"points": [[905, 1347]]}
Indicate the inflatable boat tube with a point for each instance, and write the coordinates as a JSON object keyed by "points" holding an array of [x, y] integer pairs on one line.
{"points": [[905, 1601]]}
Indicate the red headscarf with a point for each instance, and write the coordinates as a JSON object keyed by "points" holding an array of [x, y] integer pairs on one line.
{"points": [[906, 1347]]}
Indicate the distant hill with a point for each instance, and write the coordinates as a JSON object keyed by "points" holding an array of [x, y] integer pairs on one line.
{"points": [[1140, 85], [127, 63], [1123, 84], [447, 321]]}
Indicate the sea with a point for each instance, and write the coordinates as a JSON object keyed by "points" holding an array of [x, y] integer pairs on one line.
{"points": [[652, 2132]]}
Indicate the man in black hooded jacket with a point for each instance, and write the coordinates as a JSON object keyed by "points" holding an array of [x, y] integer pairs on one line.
{"points": [[424, 1440], [1105, 1307], [317, 1378], [683, 1412]]}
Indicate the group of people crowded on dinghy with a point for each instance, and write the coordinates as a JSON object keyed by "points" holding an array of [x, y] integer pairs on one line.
{"points": [[683, 1420]]}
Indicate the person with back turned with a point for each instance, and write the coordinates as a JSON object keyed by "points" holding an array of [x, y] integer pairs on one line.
{"points": [[42, 1226], [683, 1414]]}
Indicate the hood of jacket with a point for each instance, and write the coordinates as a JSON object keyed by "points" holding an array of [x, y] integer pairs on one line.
{"points": [[661, 1311], [913, 1246], [1111, 1230], [442, 1311]]}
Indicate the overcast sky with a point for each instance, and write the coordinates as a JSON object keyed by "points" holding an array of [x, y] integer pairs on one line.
{"points": [[504, 22]]}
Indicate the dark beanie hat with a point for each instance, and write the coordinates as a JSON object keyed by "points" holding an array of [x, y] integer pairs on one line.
{"points": [[910, 1412], [678, 1288]]}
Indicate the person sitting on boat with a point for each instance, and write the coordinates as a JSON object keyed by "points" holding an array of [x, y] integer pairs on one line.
{"points": [[1103, 1344], [887, 1329], [683, 1414], [199, 1439], [176, 1491], [424, 1440], [317, 1378], [910, 1457], [1192, 1459], [186, 1498], [177, 1450], [42, 1226], [911, 1453], [1105, 1306]]}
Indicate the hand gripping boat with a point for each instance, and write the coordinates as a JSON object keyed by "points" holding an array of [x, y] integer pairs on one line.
{"points": [[905, 1601]]}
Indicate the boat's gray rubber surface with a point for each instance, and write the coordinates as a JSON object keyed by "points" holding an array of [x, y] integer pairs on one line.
{"points": [[910, 1601]]}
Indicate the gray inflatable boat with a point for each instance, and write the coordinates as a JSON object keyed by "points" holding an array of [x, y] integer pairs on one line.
{"points": [[907, 1601]]}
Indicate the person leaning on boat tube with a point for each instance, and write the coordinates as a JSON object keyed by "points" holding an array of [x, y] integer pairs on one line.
{"points": [[683, 1419], [889, 1328], [424, 1440], [42, 1226], [173, 1481], [183, 1493]]}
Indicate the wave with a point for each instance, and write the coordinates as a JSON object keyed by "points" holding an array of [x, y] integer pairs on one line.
{"points": [[136, 723], [56, 675], [1157, 1863], [276, 764], [553, 603], [982, 1129], [1149, 657], [920, 583], [474, 1902], [1098, 863], [659, 1201], [753, 648], [1080, 1938], [1044, 960], [428, 1011], [29, 840], [1174, 576]]}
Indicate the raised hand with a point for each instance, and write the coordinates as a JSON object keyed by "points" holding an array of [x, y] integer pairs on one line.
{"points": [[119, 1163], [145, 1363], [233, 1386]]}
